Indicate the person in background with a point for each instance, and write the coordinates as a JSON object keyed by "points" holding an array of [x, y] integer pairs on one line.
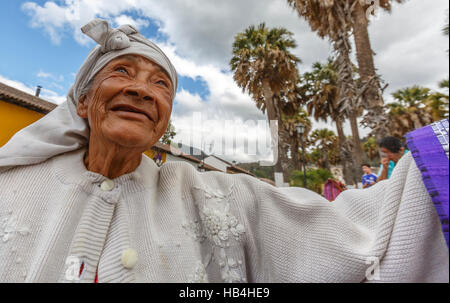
{"points": [[392, 150], [368, 179], [332, 189]]}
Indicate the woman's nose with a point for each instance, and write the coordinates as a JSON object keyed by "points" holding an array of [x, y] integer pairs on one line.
{"points": [[139, 91]]}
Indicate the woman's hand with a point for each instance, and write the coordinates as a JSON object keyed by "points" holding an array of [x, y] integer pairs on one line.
{"points": [[385, 163], [384, 173]]}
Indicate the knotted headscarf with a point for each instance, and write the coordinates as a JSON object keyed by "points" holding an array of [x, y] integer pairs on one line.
{"points": [[62, 130]]}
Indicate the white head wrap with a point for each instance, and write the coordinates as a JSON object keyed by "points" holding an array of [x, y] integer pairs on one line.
{"points": [[62, 130]]}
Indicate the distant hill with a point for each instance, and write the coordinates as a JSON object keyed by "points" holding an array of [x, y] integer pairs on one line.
{"points": [[259, 171]]}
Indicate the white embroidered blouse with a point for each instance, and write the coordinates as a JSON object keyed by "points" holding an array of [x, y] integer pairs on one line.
{"points": [[62, 223]]}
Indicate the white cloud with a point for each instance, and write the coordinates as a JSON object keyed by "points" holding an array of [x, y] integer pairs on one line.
{"points": [[409, 44], [52, 96], [201, 30], [50, 16], [124, 19], [42, 74], [225, 101], [46, 94], [70, 15], [187, 102], [17, 84], [45, 75]]}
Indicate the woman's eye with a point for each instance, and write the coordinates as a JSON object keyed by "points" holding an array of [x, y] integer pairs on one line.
{"points": [[121, 70], [163, 83]]}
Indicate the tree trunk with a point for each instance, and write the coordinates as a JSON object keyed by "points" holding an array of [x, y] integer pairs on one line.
{"points": [[364, 53], [357, 150], [326, 161], [295, 161], [376, 117], [285, 147], [272, 115], [345, 165]]}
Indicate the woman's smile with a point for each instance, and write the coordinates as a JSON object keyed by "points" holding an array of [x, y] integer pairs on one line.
{"points": [[130, 112]]}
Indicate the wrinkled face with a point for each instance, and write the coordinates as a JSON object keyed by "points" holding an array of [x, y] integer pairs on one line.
{"points": [[392, 156], [366, 170], [129, 103]]}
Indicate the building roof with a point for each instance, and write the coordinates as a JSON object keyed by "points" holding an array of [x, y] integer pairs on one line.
{"points": [[168, 149], [21, 98], [239, 170], [234, 168], [224, 161]]}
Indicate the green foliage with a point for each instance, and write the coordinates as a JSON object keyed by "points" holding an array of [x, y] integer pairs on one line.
{"points": [[444, 84], [259, 171], [411, 96], [256, 40], [320, 91], [262, 54], [326, 149], [371, 148], [263, 65], [169, 134], [420, 100], [445, 29], [438, 104], [315, 178], [316, 157]]}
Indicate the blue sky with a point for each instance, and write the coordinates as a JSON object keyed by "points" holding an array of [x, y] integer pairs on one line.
{"points": [[27, 51], [43, 45], [34, 60]]}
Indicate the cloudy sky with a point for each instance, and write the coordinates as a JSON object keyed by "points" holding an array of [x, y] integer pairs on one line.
{"points": [[43, 45]]}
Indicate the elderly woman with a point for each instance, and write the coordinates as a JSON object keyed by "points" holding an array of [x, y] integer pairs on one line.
{"points": [[80, 202]]}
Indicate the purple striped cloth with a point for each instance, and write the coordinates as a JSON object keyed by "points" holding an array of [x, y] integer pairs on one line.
{"points": [[429, 147]]}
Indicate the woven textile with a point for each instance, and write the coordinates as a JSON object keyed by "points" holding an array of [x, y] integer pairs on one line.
{"points": [[429, 147]]}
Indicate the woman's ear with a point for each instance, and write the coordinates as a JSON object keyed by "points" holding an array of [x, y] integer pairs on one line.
{"points": [[82, 107]]}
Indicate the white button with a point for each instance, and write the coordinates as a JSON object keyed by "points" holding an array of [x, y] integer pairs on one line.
{"points": [[129, 258], [107, 185]]}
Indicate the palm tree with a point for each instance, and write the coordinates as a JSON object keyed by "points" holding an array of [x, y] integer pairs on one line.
{"points": [[349, 98], [315, 179], [290, 140], [327, 143], [169, 134], [445, 29], [364, 52], [437, 103], [263, 66], [289, 105], [322, 102], [415, 107], [371, 148], [335, 19]]}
